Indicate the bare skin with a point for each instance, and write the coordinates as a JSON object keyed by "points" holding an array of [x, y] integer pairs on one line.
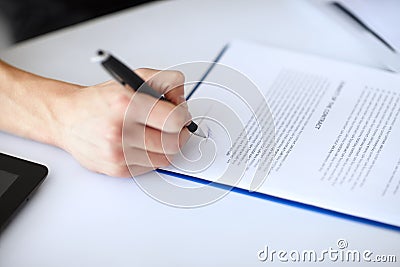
{"points": [[88, 121]]}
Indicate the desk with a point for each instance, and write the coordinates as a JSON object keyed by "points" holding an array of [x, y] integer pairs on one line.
{"points": [[79, 218]]}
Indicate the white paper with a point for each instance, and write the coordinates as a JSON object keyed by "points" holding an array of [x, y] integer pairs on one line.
{"points": [[336, 131]]}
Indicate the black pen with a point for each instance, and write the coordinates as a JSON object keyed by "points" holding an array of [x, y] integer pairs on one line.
{"points": [[125, 76], [386, 53], [357, 20]]}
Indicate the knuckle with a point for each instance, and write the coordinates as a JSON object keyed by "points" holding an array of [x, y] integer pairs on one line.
{"points": [[178, 77], [175, 79], [120, 100], [114, 134]]}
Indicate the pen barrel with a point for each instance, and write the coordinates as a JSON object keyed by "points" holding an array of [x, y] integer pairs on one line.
{"points": [[126, 76], [146, 89]]}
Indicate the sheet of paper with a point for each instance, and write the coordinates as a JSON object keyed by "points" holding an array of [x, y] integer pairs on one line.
{"points": [[336, 129]]}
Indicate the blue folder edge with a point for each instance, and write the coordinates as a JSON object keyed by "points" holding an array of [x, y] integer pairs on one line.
{"points": [[266, 196]]}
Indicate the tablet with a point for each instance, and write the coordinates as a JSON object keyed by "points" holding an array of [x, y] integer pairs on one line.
{"points": [[18, 180]]}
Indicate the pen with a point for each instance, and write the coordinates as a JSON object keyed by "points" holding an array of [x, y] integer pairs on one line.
{"points": [[384, 52], [362, 24], [125, 76]]}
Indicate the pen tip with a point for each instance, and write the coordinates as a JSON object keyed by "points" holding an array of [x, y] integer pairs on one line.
{"points": [[100, 52], [199, 132]]}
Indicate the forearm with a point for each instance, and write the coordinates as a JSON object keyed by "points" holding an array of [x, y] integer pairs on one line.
{"points": [[88, 122], [28, 104]]}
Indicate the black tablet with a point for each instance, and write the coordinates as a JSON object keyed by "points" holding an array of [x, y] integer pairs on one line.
{"points": [[18, 180]]}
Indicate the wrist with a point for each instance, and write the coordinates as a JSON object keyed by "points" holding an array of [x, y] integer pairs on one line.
{"points": [[58, 106], [30, 105]]}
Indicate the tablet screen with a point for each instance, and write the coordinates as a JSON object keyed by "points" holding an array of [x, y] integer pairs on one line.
{"points": [[6, 180]]}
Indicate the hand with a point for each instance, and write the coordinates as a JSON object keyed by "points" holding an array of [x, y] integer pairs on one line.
{"points": [[92, 120]]}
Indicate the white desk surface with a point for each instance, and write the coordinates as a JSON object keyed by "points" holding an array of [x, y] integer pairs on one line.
{"points": [[78, 218]]}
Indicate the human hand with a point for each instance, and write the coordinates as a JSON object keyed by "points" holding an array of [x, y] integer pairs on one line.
{"points": [[93, 124]]}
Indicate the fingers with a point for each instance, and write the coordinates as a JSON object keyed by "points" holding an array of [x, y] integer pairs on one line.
{"points": [[119, 162], [138, 170], [154, 140], [171, 84], [139, 157], [125, 171], [113, 130], [160, 115], [167, 82]]}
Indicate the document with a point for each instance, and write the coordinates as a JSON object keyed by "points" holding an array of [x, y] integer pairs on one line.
{"points": [[312, 130]]}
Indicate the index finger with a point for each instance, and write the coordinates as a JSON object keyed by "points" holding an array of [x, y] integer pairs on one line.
{"points": [[167, 82]]}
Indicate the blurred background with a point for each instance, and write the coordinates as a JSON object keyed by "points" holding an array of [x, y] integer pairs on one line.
{"points": [[24, 19]]}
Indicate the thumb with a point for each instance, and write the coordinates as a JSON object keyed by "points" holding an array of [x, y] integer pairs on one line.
{"points": [[170, 83]]}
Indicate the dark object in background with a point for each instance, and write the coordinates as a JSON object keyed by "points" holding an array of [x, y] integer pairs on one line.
{"points": [[19, 179], [29, 18]]}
